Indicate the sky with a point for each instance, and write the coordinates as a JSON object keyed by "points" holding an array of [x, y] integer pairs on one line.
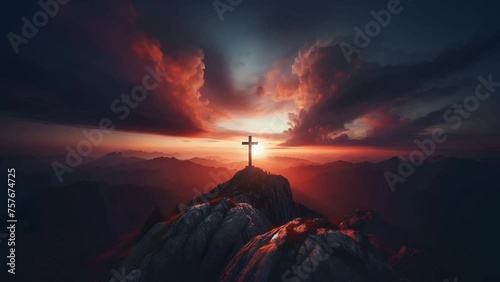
{"points": [[277, 70]]}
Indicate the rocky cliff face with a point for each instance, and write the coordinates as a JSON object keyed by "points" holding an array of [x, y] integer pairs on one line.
{"points": [[307, 250], [271, 194], [228, 237], [197, 245]]}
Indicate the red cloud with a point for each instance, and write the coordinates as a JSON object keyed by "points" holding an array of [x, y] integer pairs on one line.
{"points": [[311, 77], [177, 101]]}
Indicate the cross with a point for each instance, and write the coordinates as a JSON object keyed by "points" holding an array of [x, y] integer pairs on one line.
{"points": [[249, 143]]}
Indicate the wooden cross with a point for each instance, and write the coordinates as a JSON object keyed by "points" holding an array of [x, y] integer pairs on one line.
{"points": [[249, 143]]}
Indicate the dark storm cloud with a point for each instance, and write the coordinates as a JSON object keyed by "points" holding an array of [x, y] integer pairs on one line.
{"points": [[371, 87], [219, 88], [82, 60], [74, 73]]}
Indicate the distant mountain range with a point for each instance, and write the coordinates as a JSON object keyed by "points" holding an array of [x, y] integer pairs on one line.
{"points": [[445, 207], [208, 162], [150, 155]]}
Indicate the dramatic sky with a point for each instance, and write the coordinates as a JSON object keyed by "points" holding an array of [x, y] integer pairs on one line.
{"points": [[271, 69]]}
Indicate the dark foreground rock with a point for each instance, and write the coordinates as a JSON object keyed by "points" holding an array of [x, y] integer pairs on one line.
{"points": [[308, 250], [390, 242], [416, 265], [386, 238], [196, 245]]}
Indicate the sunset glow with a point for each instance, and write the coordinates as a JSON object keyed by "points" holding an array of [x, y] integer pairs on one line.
{"points": [[250, 140], [299, 97]]}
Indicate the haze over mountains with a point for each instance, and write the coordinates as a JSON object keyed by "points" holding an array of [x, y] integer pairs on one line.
{"points": [[105, 203]]}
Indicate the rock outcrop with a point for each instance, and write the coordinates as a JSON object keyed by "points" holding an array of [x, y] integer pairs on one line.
{"points": [[271, 194], [389, 241], [308, 250], [196, 245], [385, 237], [226, 235]]}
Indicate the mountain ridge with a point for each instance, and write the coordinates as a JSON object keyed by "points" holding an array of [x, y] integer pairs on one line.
{"points": [[270, 198]]}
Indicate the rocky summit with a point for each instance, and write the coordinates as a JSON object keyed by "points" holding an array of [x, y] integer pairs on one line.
{"points": [[309, 250], [271, 194], [250, 229]]}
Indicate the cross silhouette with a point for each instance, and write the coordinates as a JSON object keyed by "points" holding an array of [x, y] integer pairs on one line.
{"points": [[249, 143]]}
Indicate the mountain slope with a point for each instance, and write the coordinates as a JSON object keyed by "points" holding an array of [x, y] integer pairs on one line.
{"points": [[197, 245], [206, 237], [271, 194], [312, 250]]}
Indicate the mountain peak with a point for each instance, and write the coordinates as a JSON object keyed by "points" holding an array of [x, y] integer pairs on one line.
{"points": [[110, 159], [230, 228], [251, 171], [269, 193]]}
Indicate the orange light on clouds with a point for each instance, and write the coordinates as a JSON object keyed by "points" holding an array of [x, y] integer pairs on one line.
{"points": [[56, 137], [273, 123]]}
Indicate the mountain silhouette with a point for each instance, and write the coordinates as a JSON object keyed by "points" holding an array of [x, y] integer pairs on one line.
{"points": [[228, 233], [427, 230]]}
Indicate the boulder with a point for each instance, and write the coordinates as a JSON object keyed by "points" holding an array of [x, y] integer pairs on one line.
{"points": [[308, 250], [196, 245]]}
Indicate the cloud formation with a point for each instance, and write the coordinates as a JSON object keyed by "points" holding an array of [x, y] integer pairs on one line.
{"points": [[332, 95], [235, 77]]}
